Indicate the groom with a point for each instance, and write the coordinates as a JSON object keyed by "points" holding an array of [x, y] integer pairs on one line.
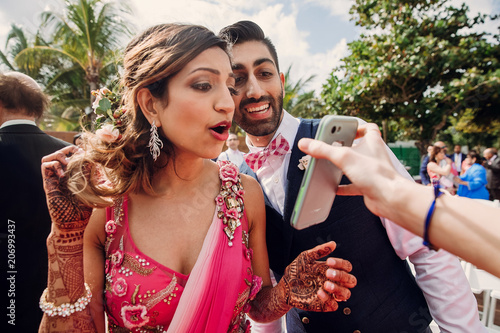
{"points": [[387, 298]]}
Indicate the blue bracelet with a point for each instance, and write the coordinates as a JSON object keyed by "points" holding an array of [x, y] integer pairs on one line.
{"points": [[427, 243]]}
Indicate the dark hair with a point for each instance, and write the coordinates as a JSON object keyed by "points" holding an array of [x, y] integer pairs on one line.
{"points": [[245, 31], [151, 59], [18, 97], [435, 150], [473, 154]]}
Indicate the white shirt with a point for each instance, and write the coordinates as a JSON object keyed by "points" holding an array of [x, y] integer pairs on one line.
{"points": [[18, 122], [458, 161], [234, 156], [272, 174], [438, 273]]}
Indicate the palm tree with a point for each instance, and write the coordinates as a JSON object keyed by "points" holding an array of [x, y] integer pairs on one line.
{"points": [[17, 42], [300, 103], [86, 35]]}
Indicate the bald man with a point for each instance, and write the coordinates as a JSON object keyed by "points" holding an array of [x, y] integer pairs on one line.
{"points": [[24, 218]]}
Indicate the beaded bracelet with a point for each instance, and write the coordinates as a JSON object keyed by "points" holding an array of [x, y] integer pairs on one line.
{"points": [[66, 309], [427, 243]]}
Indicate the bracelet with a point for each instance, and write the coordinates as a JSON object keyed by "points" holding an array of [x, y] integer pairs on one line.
{"points": [[427, 243], [66, 309]]}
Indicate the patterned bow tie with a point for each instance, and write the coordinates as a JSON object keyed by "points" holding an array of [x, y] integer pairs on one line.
{"points": [[278, 147]]}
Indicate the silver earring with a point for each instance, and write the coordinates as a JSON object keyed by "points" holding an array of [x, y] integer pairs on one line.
{"points": [[155, 144]]}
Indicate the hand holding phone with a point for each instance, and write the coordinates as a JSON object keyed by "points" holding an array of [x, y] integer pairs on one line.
{"points": [[322, 177]]}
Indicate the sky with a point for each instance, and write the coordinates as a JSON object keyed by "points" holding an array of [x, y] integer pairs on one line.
{"points": [[309, 35]]}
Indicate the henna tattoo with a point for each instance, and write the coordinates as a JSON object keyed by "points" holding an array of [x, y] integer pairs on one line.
{"points": [[66, 211], [299, 287]]}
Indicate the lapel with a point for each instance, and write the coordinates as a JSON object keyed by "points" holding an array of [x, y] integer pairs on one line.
{"points": [[307, 129]]}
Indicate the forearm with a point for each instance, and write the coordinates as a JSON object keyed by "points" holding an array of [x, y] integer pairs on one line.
{"points": [[269, 304], [66, 282], [458, 224]]}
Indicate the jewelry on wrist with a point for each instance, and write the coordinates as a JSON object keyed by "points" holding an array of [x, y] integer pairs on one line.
{"points": [[428, 219], [66, 309]]}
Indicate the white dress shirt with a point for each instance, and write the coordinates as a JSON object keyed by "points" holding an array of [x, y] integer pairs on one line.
{"points": [[18, 122], [458, 161], [234, 156], [272, 174], [439, 274]]}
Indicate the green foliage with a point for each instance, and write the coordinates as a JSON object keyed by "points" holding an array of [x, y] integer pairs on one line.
{"points": [[77, 54], [418, 66], [301, 103]]}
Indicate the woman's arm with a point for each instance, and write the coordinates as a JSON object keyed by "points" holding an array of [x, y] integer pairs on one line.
{"points": [[94, 267], [462, 226], [443, 171], [65, 251], [273, 302]]}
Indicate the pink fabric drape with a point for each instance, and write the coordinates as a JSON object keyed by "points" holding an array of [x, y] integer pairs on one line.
{"points": [[208, 300]]}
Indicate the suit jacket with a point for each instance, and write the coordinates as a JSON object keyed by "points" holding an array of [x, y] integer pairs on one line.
{"points": [[25, 223], [493, 174], [386, 298], [424, 176]]}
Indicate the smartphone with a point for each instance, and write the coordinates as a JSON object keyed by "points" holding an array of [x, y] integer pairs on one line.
{"points": [[322, 177]]}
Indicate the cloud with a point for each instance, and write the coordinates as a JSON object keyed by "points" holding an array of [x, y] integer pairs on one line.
{"points": [[336, 7]]}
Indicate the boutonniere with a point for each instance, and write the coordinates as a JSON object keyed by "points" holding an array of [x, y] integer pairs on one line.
{"points": [[304, 162]]}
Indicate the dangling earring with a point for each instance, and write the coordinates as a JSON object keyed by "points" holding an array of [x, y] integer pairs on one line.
{"points": [[155, 144]]}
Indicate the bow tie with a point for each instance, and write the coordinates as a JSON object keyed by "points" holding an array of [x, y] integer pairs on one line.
{"points": [[278, 147]]}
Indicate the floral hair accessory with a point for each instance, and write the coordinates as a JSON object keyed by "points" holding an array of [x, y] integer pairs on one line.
{"points": [[109, 114]]}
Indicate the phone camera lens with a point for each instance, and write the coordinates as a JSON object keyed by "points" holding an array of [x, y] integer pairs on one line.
{"points": [[334, 128]]}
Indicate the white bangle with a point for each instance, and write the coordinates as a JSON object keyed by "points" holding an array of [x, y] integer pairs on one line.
{"points": [[66, 309]]}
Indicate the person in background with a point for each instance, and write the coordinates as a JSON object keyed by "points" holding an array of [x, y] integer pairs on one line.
{"points": [[25, 221], [492, 165], [473, 181], [386, 298], [437, 172], [232, 153], [458, 157], [424, 176], [465, 227]]}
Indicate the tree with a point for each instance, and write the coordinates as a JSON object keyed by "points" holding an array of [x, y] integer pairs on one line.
{"points": [[86, 37], [301, 103], [418, 65]]}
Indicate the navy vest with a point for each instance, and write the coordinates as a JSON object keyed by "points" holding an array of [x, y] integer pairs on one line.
{"points": [[386, 298]]}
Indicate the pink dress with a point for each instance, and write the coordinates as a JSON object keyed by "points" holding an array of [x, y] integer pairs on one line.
{"points": [[142, 295]]}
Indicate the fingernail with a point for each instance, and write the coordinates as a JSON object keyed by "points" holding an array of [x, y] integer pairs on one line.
{"points": [[329, 285], [332, 273], [331, 262], [304, 143]]}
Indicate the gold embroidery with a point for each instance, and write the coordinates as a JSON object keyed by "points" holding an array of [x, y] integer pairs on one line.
{"points": [[133, 264], [136, 291], [150, 299]]}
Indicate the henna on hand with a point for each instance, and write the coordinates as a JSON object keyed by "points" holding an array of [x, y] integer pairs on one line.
{"points": [[306, 276], [307, 284], [67, 213], [64, 245]]}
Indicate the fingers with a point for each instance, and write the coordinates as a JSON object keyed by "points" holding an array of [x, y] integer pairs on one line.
{"points": [[340, 264], [368, 129], [55, 162], [320, 251], [319, 149], [329, 303], [348, 190], [338, 292]]}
